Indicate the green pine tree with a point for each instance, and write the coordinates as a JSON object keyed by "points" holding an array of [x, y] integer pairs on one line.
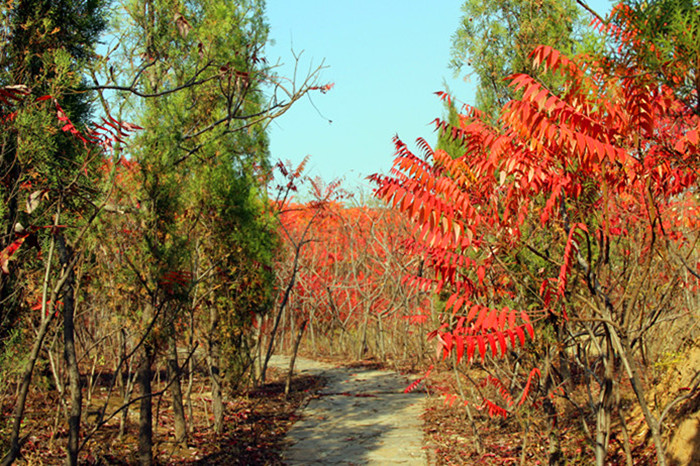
{"points": [[47, 176], [667, 46], [496, 37], [203, 111]]}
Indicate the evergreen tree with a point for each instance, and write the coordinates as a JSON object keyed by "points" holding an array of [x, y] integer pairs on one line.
{"points": [[201, 154], [667, 45], [447, 140], [44, 169], [496, 37], [47, 45]]}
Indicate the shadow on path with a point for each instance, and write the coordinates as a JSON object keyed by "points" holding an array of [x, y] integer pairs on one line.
{"points": [[360, 417]]}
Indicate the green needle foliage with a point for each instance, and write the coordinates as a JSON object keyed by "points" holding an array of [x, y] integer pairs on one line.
{"points": [[46, 48], [668, 44], [496, 37], [203, 152]]}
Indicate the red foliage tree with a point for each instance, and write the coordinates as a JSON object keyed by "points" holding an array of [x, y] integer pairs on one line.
{"points": [[341, 260], [564, 214]]}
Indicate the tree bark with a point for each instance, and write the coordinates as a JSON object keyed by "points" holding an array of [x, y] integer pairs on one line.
{"points": [[176, 389], [146, 405], [283, 304], [625, 353], [46, 317], [604, 406], [18, 412], [555, 456], [66, 256], [257, 356], [215, 370], [363, 344], [295, 349]]}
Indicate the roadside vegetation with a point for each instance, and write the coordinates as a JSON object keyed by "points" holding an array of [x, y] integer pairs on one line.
{"points": [[537, 267]]}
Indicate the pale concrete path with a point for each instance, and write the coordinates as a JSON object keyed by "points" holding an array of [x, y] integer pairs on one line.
{"points": [[361, 417]]}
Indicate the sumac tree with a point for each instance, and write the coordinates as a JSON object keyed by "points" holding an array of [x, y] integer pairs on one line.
{"points": [[573, 217]]}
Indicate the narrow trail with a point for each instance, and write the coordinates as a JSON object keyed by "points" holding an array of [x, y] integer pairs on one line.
{"points": [[361, 417]]}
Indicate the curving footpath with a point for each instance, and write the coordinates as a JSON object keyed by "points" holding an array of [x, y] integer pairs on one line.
{"points": [[360, 417]]}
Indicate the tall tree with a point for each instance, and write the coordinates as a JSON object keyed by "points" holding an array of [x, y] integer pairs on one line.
{"points": [[48, 45], [666, 43], [496, 36], [579, 208], [196, 75]]}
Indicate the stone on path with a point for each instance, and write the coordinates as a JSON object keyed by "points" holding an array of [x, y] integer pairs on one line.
{"points": [[361, 417]]}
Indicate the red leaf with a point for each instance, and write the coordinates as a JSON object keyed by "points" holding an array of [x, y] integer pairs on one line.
{"points": [[502, 341], [526, 390], [451, 300], [492, 343], [495, 410], [511, 319], [481, 273], [490, 321], [482, 346], [525, 317], [417, 382], [502, 318], [472, 312], [530, 331], [471, 346], [7, 253], [480, 321], [459, 339], [511, 336]]}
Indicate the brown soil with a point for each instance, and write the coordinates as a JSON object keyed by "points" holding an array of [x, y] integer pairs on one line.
{"points": [[255, 426], [257, 421], [452, 439]]}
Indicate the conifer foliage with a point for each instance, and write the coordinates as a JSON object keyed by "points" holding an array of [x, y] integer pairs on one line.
{"points": [[148, 238]]}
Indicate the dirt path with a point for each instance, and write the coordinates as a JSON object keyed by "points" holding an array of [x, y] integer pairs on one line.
{"points": [[361, 417]]}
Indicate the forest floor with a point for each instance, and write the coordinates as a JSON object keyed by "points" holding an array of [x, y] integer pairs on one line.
{"points": [[337, 413], [256, 423], [366, 410]]}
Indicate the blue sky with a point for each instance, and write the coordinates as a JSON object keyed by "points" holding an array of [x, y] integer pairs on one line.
{"points": [[386, 58]]}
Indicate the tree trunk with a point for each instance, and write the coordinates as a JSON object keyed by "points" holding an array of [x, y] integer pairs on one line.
{"points": [[295, 349], [625, 435], [126, 382], [18, 413], [215, 370], [363, 344], [290, 340], [625, 353], [23, 389], [190, 339], [66, 256], [312, 333], [188, 392], [146, 405], [176, 389], [604, 406], [257, 356], [380, 337], [555, 456], [283, 304]]}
